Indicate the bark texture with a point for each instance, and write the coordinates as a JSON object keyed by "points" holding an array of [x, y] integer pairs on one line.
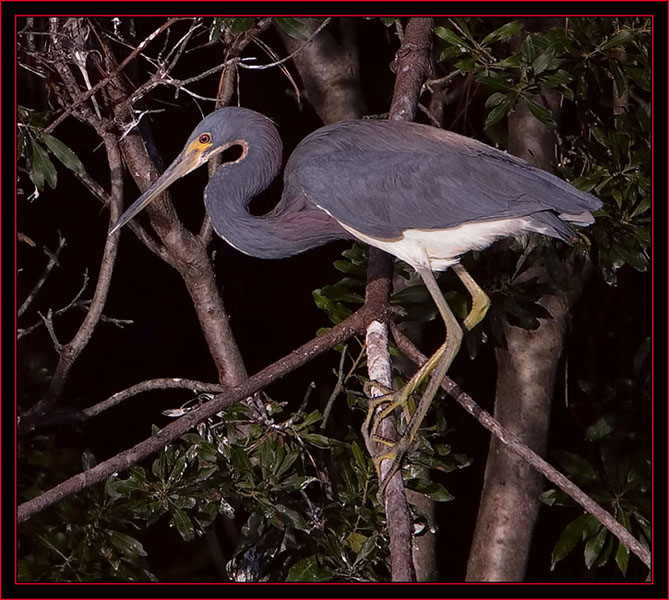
{"points": [[526, 373]]}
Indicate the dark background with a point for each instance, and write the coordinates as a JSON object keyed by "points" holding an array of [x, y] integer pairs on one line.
{"points": [[269, 302]]}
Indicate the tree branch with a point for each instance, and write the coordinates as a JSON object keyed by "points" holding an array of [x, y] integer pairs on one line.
{"points": [[514, 443], [70, 352], [355, 324], [164, 383], [53, 261]]}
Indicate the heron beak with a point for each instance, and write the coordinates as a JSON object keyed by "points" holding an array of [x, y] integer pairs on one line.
{"points": [[186, 162]]}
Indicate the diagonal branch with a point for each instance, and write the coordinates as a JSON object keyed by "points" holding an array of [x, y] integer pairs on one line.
{"points": [[355, 324], [515, 444]]}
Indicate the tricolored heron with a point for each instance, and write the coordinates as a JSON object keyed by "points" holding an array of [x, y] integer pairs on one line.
{"points": [[422, 194]]}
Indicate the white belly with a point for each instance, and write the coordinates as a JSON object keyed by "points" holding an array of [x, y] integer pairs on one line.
{"points": [[438, 249]]}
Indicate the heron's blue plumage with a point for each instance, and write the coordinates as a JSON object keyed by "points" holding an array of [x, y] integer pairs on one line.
{"points": [[384, 177]]}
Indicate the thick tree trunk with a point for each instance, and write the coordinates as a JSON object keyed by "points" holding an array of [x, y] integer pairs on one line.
{"points": [[526, 374]]}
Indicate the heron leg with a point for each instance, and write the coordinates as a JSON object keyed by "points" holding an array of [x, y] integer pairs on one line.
{"points": [[438, 365], [480, 300]]}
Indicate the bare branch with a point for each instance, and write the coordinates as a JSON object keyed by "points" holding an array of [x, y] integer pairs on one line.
{"points": [[165, 383], [53, 261], [71, 351], [105, 80], [48, 323], [74, 302], [287, 58]]}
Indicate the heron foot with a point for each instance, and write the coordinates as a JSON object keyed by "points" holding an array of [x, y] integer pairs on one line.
{"points": [[480, 305], [395, 454]]}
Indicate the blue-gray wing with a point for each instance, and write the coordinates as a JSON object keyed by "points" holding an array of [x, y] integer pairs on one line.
{"points": [[383, 177]]}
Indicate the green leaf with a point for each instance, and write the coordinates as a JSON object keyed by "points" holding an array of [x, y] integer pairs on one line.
{"points": [[24, 572], [295, 518], [412, 294], [498, 113], [577, 466], [503, 32], [622, 557], [308, 570], [540, 113], [643, 206], [288, 460], [177, 470], [622, 552], [494, 99], [240, 24], [295, 28], [63, 153], [355, 541], [88, 460], [358, 456], [20, 144], [159, 466], [431, 489], [528, 50], [495, 82], [569, 538], [183, 524], [559, 77], [349, 268], [542, 62], [548, 497], [593, 546], [241, 463], [601, 428], [41, 168], [633, 257], [127, 545], [318, 440], [342, 293], [452, 38], [465, 65], [313, 417], [618, 39], [335, 311], [388, 21]]}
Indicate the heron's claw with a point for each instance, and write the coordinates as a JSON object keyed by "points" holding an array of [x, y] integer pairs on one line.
{"points": [[368, 390], [396, 454]]}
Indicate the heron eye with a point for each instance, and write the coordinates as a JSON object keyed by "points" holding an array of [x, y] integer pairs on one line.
{"points": [[205, 138]]}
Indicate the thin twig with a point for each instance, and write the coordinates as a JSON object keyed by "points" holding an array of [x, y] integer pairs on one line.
{"points": [[48, 323], [287, 58], [339, 386], [53, 261], [71, 351], [105, 80], [165, 383], [74, 302]]}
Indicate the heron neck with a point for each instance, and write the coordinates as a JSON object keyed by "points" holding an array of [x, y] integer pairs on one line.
{"points": [[292, 227]]}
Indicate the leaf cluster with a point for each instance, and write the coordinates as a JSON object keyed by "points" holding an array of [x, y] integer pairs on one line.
{"points": [[35, 148], [601, 70], [617, 471]]}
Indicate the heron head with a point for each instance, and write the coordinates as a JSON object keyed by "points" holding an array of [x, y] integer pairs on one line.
{"points": [[214, 134]]}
